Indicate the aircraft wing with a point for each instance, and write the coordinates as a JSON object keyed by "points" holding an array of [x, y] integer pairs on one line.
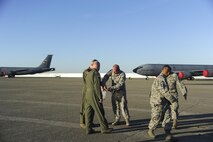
{"points": [[192, 72]]}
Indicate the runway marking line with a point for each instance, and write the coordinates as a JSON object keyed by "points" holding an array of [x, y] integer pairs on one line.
{"points": [[40, 121], [63, 104]]}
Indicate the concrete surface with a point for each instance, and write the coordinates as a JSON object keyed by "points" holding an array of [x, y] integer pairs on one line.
{"points": [[47, 110]]}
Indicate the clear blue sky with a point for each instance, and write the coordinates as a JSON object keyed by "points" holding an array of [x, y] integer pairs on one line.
{"points": [[126, 32]]}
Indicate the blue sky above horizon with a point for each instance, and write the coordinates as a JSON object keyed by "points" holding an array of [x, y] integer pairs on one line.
{"points": [[125, 32]]}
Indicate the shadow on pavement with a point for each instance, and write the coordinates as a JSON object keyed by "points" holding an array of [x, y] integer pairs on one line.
{"points": [[191, 128], [135, 125]]}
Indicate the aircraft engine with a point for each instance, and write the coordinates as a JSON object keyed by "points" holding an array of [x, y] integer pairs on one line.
{"points": [[52, 69], [184, 75], [208, 73]]}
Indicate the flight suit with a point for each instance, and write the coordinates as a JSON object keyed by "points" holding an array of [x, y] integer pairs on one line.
{"points": [[119, 98], [82, 110], [159, 97], [93, 97]]}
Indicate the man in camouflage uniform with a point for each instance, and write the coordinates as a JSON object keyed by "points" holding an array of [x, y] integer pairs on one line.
{"points": [[93, 100], [173, 83], [118, 89], [159, 97], [82, 110]]}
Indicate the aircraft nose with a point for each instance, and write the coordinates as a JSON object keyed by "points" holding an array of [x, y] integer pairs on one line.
{"points": [[135, 70]]}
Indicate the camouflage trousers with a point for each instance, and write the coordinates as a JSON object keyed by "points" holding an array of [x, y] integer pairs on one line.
{"points": [[157, 114], [175, 106], [174, 110], [119, 105]]}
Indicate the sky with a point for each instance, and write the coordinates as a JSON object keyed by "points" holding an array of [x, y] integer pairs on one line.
{"points": [[124, 32]]}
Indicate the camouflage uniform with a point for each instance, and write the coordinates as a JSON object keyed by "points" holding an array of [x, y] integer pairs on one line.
{"points": [[159, 97], [93, 97], [119, 99], [173, 82]]}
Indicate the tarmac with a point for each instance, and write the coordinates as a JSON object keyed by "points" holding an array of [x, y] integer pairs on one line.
{"points": [[47, 110]]}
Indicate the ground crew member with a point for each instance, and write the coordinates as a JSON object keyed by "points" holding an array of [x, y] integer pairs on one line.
{"points": [[173, 82], [118, 89], [82, 110], [93, 100], [159, 97]]}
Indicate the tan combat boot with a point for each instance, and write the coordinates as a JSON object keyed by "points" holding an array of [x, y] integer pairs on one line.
{"points": [[83, 126], [174, 124], [151, 133], [116, 123], [168, 136], [127, 122]]}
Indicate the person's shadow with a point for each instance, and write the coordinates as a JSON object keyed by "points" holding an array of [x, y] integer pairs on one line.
{"points": [[191, 128], [135, 125]]}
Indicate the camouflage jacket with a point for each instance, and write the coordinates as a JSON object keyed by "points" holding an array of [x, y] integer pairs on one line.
{"points": [[118, 80], [160, 91], [173, 82]]}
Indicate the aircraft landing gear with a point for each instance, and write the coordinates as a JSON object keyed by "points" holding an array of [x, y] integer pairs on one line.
{"points": [[11, 76], [191, 78]]}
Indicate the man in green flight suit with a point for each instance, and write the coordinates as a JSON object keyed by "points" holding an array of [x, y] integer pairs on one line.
{"points": [[94, 100], [82, 110]]}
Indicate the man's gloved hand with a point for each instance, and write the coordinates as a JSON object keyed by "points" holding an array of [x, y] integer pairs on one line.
{"points": [[110, 89], [105, 87]]}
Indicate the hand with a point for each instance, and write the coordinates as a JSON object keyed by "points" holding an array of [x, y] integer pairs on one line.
{"points": [[101, 101], [185, 96], [110, 89], [105, 87]]}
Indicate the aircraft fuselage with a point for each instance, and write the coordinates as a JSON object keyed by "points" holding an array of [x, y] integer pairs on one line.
{"points": [[12, 71], [189, 70]]}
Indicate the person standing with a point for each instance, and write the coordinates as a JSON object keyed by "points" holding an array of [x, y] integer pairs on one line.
{"points": [[82, 110], [94, 100], [118, 89], [159, 97], [174, 83]]}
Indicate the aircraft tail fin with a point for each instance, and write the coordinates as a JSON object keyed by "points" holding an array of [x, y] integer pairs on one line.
{"points": [[46, 62]]}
